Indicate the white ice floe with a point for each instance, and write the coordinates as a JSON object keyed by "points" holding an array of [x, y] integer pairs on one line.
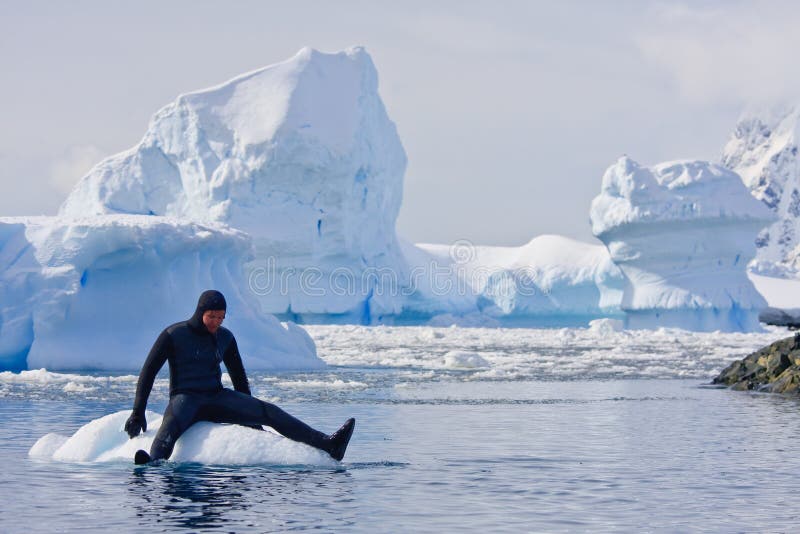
{"points": [[45, 377], [321, 384], [104, 440], [464, 360], [526, 353]]}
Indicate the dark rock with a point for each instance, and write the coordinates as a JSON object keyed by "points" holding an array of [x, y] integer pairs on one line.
{"points": [[774, 368]]}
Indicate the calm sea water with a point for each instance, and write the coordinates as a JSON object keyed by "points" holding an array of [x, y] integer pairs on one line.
{"points": [[662, 455], [433, 451]]}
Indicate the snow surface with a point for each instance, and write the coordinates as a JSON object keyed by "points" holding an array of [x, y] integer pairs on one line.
{"points": [[94, 293], [300, 155], [682, 233], [763, 151], [105, 440]]}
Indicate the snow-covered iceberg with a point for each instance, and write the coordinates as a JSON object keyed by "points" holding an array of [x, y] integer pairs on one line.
{"points": [[95, 292], [300, 155], [763, 150], [682, 233], [551, 280], [105, 440]]}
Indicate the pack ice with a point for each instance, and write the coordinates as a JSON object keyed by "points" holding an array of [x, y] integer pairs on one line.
{"points": [[682, 233]]}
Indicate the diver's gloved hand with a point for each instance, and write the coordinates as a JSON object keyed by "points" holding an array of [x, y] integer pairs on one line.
{"points": [[136, 423]]}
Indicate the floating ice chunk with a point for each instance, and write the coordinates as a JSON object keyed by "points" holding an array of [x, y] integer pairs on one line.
{"points": [[604, 327], [47, 445], [464, 360], [104, 440], [322, 384], [74, 387]]}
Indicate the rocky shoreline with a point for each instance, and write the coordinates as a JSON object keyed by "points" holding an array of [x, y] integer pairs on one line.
{"points": [[774, 369]]}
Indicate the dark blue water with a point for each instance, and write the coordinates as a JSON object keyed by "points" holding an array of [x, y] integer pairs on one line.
{"points": [[438, 455]]}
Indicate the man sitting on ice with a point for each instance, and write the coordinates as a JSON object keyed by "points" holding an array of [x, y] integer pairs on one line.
{"points": [[194, 350]]}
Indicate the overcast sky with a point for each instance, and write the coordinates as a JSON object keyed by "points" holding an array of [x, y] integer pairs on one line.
{"points": [[509, 111]]}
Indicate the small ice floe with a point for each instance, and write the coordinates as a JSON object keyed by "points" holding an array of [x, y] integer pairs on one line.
{"points": [[105, 440], [464, 360], [75, 387], [605, 327], [322, 384]]}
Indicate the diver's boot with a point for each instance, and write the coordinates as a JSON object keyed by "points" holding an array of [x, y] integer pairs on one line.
{"points": [[141, 457], [337, 442]]}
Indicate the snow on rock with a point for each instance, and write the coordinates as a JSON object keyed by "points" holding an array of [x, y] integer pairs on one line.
{"points": [[550, 280], [763, 150], [94, 293], [682, 234], [300, 155], [105, 440]]}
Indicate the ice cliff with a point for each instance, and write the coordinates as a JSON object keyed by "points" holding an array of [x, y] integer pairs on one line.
{"points": [[300, 155], [763, 151], [95, 292], [682, 233]]}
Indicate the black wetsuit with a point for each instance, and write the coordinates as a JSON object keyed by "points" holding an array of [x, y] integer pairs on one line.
{"points": [[196, 392]]}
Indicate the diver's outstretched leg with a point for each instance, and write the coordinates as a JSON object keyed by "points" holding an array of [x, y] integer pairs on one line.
{"points": [[234, 407]]}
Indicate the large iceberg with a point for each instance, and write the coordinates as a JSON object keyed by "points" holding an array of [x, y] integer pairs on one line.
{"points": [[550, 281], [282, 186], [683, 234], [300, 155], [763, 150], [95, 292]]}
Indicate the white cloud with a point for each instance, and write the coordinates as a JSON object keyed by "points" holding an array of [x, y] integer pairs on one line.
{"points": [[734, 52]]}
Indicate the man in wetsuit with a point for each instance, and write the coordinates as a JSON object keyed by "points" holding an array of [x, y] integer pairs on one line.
{"points": [[194, 350]]}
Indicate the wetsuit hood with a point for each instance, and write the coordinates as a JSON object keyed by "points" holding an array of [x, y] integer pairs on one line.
{"points": [[209, 300]]}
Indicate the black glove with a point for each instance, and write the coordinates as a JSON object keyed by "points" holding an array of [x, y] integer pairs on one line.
{"points": [[136, 423]]}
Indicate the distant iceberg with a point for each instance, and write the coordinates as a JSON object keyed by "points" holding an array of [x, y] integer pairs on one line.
{"points": [[300, 155], [682, 233], [281, 188], [550, 281], [94, 293]]}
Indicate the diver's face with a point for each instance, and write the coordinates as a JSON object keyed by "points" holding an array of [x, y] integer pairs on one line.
{"points": [[213, 319]]}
